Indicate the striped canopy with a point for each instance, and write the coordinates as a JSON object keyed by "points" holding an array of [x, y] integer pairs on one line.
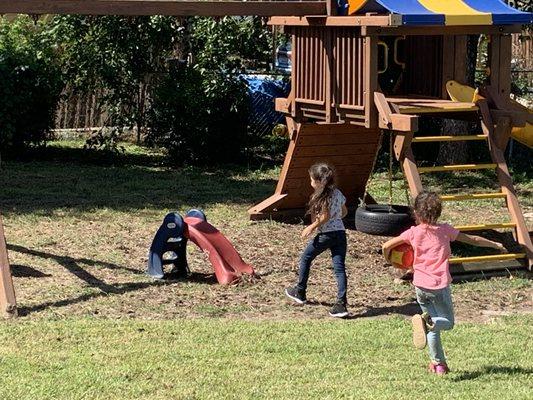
{"points": [[444, 12]]}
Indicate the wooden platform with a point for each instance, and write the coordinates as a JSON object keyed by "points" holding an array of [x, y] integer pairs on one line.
{"points": [[413, 106]]}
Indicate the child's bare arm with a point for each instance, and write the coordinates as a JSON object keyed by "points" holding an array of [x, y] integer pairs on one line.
{"points": [[479, 241], [317, 223], [388, 246], [344, 211]]}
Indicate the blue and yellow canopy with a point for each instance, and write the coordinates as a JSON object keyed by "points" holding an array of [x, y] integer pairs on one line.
{"points": [[444, 12]]}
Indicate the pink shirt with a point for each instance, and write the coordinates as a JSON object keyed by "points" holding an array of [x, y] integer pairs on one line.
{"points": [[431, 244]]}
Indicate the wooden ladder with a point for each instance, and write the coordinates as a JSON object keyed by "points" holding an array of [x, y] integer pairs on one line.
{"points": [[496, 135]]}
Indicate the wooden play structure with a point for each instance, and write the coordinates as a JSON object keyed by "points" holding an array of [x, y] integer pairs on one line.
{"points": [[359, 67]]}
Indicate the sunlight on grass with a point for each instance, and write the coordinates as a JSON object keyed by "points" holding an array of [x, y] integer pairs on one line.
{"points": [[215, 359]]}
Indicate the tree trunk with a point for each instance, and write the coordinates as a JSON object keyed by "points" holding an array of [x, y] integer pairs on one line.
{"points": [[457, 152]]}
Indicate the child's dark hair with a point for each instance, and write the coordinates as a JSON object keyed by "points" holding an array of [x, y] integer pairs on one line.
{"points": [[324, 175], [427, 208]]}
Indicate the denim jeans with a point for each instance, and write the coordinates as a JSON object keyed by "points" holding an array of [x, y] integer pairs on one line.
{"points": [[336, 243], [438, 304]]}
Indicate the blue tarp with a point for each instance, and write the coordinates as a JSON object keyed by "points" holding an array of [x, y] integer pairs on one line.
{"points": [[263, 90]]}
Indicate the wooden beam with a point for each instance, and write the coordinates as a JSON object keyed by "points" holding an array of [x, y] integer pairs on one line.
{"points": [[319, 20], [493, 53], [404, 123], [8, 302], [410, 171], [163, 7], [370, 74], [439, 30], [384, 110], [448, 70], [505, 66], [402, 142], [499, 52]]}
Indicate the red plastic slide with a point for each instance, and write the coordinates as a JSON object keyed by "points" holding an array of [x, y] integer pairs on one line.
{"points": [[227, 263]]}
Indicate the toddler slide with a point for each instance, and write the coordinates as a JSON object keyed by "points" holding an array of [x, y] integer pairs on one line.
{"points": [[227, 263]]}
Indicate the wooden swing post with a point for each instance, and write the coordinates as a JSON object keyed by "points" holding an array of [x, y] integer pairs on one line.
{"points": [[8, 302]]}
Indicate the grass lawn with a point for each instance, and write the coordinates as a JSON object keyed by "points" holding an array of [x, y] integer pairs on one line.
{"points": [[221, 358], [94, 326]]}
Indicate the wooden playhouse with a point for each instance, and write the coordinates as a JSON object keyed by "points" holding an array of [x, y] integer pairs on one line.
{"points": [[341, 99]]}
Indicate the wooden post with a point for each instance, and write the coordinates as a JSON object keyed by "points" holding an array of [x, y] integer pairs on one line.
{"points": [[370, 80], [328, 64], [448, 62], [331, 7], [8, 302], [500, 53]]}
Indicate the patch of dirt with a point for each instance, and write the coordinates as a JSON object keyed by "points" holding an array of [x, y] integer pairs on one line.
{"points": [[97, 268]]}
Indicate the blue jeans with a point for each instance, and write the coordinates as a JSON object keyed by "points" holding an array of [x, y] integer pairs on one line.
{"points": [[336, 243], [438, 304]]}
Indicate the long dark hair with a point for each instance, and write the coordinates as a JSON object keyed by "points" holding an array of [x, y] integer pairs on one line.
{"points": [[324, 175]]}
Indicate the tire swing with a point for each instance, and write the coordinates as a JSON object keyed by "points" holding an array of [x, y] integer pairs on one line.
{"points": [[383, 219]]}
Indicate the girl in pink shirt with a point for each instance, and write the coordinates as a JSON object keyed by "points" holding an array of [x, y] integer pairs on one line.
{"points": [[431, 274]]}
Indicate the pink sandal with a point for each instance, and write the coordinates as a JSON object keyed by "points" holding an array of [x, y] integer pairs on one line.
{"points": [[439, 369]]}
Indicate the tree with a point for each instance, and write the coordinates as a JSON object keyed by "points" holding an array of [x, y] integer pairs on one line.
{"points": [[119, 55], [30, 84]]}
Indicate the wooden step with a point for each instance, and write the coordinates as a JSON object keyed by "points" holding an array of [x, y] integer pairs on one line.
{"points": [[475, 196], [457, 167], [459, 138], [482, 227], [494, 257]]}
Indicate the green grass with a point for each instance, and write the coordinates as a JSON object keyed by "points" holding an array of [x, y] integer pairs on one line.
{"points": [[229, 359], [93, 326]]}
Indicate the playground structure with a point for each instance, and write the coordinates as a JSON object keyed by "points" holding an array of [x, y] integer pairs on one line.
{"points": [[385, 66], [342, 98], [172, 237]]}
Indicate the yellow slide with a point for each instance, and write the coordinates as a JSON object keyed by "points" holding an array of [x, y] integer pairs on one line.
{"points": [[467, 94]]}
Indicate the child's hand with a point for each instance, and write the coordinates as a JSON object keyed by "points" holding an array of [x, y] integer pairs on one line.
{"points": [[500, 247], [308, 230], [386, 252]]}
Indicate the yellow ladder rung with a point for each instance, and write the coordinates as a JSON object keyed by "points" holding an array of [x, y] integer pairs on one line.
{"points": [[469, 228], [475, 196], [459, 167], [495, 257], [425, 139]]}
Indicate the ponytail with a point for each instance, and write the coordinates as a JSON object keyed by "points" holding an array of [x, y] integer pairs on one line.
{"points": [[320, 200]]}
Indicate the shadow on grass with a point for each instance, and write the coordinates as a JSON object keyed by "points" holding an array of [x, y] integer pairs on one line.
{"points": [[69, 262], [407, 309], [72, 265], [115, 289], [491, 370], [65, 180], [24, 271]]}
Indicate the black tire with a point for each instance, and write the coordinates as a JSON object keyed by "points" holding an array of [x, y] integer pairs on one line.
{"points": [[379, 219]]}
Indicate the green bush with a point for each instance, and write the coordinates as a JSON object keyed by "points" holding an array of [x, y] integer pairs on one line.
{"points": [[30, 84], [200, 117], [199, 113]]}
